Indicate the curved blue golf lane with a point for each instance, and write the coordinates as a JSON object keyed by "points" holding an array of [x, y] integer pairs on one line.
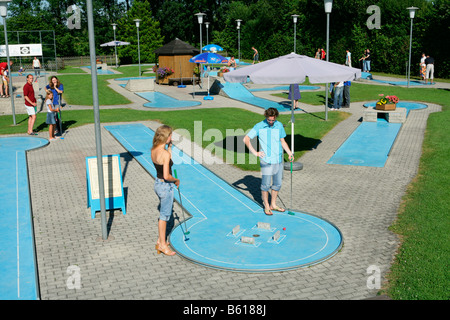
{"points": [[18, 271], [408, 105], [207, 238]]}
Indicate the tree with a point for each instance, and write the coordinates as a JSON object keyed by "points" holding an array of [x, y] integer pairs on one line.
{"points": [[150, 37]]}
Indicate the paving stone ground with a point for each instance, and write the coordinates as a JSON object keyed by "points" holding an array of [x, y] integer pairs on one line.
{"points": [[361, 201]]}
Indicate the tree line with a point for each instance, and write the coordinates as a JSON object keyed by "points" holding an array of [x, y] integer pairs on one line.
{"points": [[266, 25]]}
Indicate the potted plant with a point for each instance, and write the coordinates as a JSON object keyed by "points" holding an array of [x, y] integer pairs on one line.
{"points": [[222, 71], [387, 103]]}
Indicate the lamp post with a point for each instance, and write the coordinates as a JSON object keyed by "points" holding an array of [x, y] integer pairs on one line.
{"points": [[238, 21], [200, 16], [207, 33], [328, 7], [4, 13], [412, 13], [294, 17], [139, 49], [98, 139], [114, 25]]}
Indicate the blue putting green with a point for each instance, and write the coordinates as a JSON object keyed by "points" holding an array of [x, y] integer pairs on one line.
{"points": [[216, 208], [161, 100], [370, 144], [18, 272], [100, 71], [367, 75], [133, 78], [408, 105]]}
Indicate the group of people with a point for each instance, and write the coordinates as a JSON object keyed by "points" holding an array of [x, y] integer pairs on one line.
{"points": [[365, 61], [426, 68], [54, 90], [232, 61], [270, 133], [340, 92], [320, 54]]}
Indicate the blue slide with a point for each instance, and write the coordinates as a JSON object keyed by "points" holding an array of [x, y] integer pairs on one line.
{"points": [[238, 92]]}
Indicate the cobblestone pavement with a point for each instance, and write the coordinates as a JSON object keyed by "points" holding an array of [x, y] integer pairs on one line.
{"points": [[361, 201]]}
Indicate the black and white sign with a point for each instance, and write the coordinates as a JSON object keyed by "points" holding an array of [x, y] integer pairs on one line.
{"points": [[22, 50]]}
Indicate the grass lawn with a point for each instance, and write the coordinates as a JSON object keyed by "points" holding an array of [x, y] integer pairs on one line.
{"points": [[78, 87], [420, 270]]}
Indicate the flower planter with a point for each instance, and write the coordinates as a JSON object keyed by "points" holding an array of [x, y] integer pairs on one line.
{"points": [[386, 107]]}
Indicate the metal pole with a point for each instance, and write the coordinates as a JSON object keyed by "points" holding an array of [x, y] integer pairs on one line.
{"points": [[11, 89], [295, 37], [115, 44], [56, 58], [239, 44], [328, 54], [98, 139], [410, 44], [139, 52]]}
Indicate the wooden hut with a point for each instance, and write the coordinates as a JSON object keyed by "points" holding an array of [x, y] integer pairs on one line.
{"points": [[175, 55]]}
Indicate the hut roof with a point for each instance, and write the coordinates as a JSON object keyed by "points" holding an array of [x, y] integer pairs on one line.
{"points": [[176, 47]]}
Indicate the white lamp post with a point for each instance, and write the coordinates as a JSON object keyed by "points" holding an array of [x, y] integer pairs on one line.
{"points": [[238, 21], [294, 17], [114, 25], [412, 13], [200, 16], [139, 49], [207, 33], [328, 7], [4, 13]]}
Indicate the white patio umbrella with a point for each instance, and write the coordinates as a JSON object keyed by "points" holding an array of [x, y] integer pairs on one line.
{"points": [[114, 43], [293, 69]]}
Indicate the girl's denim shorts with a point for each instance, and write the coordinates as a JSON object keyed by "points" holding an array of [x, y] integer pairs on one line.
{"points": [[164, 191]]}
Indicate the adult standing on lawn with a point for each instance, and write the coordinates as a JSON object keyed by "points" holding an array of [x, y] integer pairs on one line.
{"points": [[255, 55], [270, 133], [429, 61], [30, 104]]}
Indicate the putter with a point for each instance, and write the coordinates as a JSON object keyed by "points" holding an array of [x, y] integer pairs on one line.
{"points": [[290, 212], [181, 203]]}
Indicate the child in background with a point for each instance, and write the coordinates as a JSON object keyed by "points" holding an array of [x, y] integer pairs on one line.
{"points": [[51, 115], [5, 80]]}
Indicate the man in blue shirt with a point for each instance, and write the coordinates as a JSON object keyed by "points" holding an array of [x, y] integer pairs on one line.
{"points": [[271, 134]]}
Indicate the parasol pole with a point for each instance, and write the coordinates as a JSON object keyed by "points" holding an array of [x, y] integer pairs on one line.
{"points": [[292, 137]]}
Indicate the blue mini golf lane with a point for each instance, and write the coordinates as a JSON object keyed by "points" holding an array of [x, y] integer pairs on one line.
{"points": [[217, 208], [161, 100], [18, 270], [370, 144]]}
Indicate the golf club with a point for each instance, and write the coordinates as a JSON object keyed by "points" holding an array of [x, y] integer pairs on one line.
{"points": [[181, 203]]}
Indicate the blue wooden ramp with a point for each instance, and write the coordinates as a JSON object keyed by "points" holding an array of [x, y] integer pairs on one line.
{"points": [[228, 230]]}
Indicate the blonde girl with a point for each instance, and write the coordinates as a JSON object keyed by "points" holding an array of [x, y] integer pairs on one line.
{"points": [[51, 115], [164, 183]]}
